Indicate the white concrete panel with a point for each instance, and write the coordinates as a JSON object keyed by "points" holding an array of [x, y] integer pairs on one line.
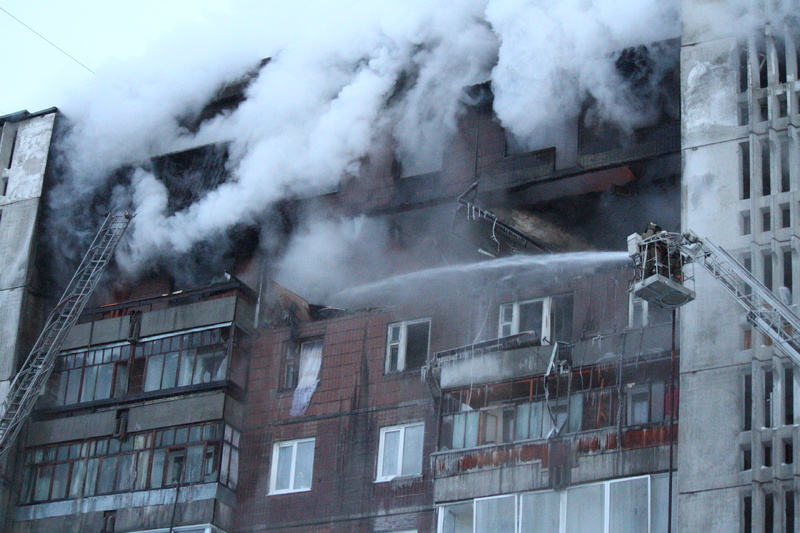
{"points": [[709, 85], [17, 230], [710, 423], [31, 150], [10, 304], [710, 512]]}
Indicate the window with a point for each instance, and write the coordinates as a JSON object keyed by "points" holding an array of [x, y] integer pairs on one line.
{"points": [[747, 402], [769, 393], [745, 222], [189, 359], [744, 154], [766, 188], [787, 270], [786, 216], [632, 505], [744, 113], [400, 451], [88, 375], [292, 466], [307, 365], [767, 262], [747, 513], [785, 164], [141, 461], [646, 403], [407, 345], [788, 395], [641, 314], [550, 318], [765, 220]]}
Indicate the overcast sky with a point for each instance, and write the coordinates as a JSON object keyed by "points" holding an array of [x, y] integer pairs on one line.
{"points": [[98, 33]]}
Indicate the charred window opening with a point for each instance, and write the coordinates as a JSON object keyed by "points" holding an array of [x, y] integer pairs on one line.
{"points": [[636, 66], [227, 98], [407, 345], [191, 174]]}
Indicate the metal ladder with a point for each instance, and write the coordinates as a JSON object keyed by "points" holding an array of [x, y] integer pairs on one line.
{"points": [[29, 383], [765, 311]]}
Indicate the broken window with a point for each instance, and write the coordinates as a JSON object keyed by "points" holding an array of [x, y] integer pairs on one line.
{"points": [[309, 363], [788, 510], [786, 216], [292, 466], [747, 402], [550, 318], [407, 345], [787, 270], [400, 451]]}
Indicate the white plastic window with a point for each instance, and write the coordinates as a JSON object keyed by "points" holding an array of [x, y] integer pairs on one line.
{"points": [[400, 451], [292, 466]]}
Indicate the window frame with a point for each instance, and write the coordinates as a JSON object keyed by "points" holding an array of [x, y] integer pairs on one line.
{"points": [[273, 474], [546, 333], [379, 478], [402, 345]]}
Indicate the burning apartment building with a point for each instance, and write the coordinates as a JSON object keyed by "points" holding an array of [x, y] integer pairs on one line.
{"points": [[439, 334]]}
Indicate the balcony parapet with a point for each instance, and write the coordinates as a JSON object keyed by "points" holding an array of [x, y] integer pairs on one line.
{"points": [[456, 462]]}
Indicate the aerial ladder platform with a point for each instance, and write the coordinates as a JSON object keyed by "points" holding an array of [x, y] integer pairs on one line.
{"points": [[30, 381], [660, 256]]}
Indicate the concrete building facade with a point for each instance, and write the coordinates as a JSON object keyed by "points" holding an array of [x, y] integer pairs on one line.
{"points": [[522, 394], [740, 181]]}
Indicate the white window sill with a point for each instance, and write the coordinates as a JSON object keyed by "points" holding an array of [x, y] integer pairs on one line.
{"points": [[287, 491], [412, 477]]}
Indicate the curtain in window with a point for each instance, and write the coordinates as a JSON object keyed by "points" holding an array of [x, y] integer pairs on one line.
{"points": [[310, 362]]}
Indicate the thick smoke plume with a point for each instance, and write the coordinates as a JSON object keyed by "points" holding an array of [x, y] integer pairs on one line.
{"points": [[342, 78]]}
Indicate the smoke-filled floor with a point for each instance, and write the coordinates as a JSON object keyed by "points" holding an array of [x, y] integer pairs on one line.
{"points": [[376, 97]]}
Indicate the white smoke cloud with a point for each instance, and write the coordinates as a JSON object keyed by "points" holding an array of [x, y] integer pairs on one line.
{"points": [[552, 54], [331, 93], [328, 256]]}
